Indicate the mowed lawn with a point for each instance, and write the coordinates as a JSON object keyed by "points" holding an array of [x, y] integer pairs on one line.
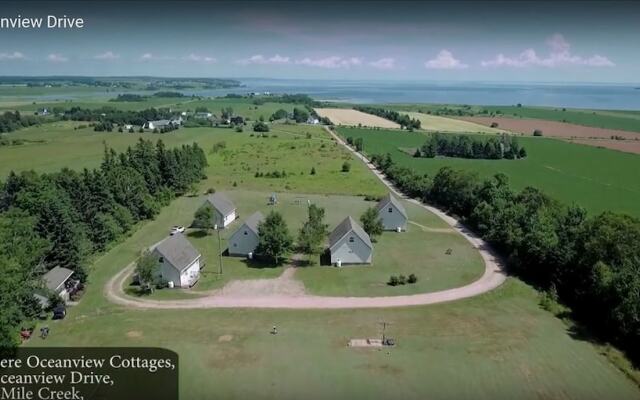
{"points": [[498, 345], [435, 123], [598, 179]]}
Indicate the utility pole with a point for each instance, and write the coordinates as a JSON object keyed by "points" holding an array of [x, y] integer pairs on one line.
{"points": [[219, 251], [384, 329]]}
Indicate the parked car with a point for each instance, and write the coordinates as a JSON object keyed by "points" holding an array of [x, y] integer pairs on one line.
{"points": [[59, 312], [177, 229]]}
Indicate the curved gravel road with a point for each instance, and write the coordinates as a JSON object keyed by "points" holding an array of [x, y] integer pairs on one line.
{"points": [[493, 277]]}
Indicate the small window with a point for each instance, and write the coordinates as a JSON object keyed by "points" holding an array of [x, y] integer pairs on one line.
{"points": [[161, 260], [390, 209], [246, 233], [351, 240], [235, 245]]}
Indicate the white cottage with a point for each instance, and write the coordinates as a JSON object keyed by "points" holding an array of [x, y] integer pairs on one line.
{"points": [[392, 213], [57, 280], [350, 244], [224, 209], [245, 239], [178, 261]]}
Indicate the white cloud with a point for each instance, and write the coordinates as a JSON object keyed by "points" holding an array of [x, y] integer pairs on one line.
{"points": [[57, 58], [260, 59], [559, 55], [153, 57], [16, 55], [384, 63], [445, 60], [108, 55], [331, 62], [200, 59], [147, 57]]}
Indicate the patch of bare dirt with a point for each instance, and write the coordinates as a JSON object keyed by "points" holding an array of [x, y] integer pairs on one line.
{"points": [[225, 338], [563, 130], [628, 146], [134, 334]]}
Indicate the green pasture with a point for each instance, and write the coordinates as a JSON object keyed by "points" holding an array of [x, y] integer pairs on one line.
{"points": [[598, 179]]}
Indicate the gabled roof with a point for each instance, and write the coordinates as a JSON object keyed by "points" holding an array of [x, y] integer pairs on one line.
{"points": [[56, 277], [346, 226], [161, 122], [177, 251], [395, 202], [221, 203], [253, 221]]}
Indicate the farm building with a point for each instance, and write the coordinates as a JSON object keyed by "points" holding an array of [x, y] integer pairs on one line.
{"points": [[178, 261], [350, 244], [392, 213], [223, 207], [245, 239], [162, 123], [57, 280]]}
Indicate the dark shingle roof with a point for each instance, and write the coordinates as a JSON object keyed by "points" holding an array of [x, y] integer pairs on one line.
{"points": [[56, 277], [396, 203], [346, 226], [177, 251], [254, 220], [221, 203]]}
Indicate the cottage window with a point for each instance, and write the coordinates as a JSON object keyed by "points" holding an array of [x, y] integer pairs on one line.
{"points": [[390, 209], [161, 260], [246, 233], [351, 240]]}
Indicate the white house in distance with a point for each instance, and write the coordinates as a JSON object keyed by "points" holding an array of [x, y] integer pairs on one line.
{"points": [[392, 213], [224, 209], [55, 281], [350, 244], [245, 239], [178, 261]]}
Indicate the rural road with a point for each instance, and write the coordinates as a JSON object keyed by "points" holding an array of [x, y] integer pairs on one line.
{"points": [[493, 277]]}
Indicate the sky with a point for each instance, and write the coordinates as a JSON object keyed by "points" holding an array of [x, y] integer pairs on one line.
{"points": [[545, 41]]}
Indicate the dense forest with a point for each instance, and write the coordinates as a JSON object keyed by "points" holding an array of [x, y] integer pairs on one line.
{"points": [[63, 218], [404, 120], [591, 263], [471, 146], [11, 121]]}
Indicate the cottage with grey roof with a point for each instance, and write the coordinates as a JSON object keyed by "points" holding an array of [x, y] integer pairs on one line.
{"points": [[55, 281], [223, 207], [392, 213], [178, 261], [350, 244], [244, 241]]}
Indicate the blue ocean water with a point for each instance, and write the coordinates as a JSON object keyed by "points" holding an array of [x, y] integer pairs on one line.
{"points": [[598, 96]]}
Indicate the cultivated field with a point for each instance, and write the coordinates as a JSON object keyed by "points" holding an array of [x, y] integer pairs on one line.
{"points": [[598, 179], [434, 123], [349, 117], [624, 140]]}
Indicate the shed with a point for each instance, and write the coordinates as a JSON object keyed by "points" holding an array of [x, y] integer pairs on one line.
{"points": [[245, 239], [392, 213], [350, 244], [178, 261]]}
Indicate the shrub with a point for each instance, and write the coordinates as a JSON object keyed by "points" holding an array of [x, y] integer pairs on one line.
{"points": [[313, 170], [211, 191], [494, 124], [346, 167], [402, 279], [537, 132], [393, 281], [412, 278]]}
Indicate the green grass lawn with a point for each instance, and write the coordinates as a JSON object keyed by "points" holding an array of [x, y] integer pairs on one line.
{"points": [[598, 179]]}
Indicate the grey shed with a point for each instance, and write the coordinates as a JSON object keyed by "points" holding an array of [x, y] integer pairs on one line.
{"points": [[177, 251]]}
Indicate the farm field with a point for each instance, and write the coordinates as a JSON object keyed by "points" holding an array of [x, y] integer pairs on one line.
{"points": [[598, 179], [607, 119], [349, 117], [502, 343], [434, 123]]}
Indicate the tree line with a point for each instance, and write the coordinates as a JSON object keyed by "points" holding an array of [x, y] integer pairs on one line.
{"points": [[115, 116], [471, 146], [404, 120], [63, 218], [591, 262], [12, 121]]}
